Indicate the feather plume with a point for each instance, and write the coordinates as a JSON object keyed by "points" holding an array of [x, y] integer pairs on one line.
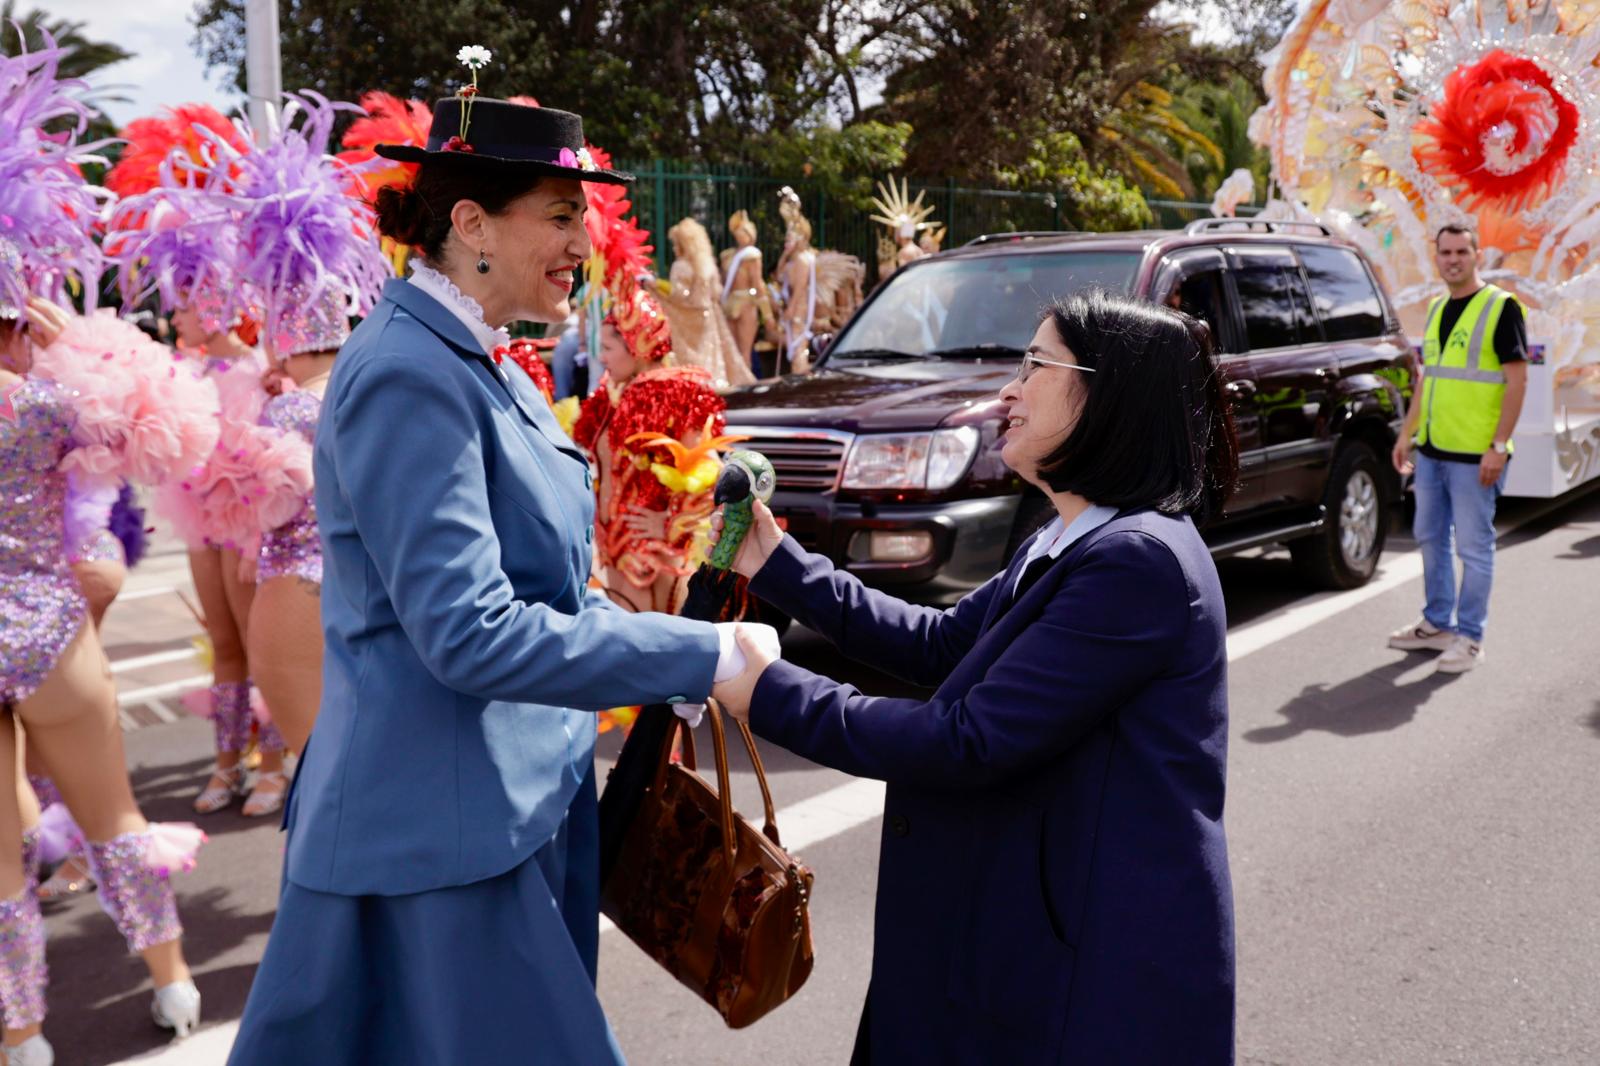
{"points": [[305, 241], [150, 141], [48, 212]]}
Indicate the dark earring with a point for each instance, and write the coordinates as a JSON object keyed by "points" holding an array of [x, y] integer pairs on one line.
{"points": [[483, 264]]}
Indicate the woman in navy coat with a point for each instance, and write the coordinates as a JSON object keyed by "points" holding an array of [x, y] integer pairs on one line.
{"points": [[1053, 882], [440, 896]]}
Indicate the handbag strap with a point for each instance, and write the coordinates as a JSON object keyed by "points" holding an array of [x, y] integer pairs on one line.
{"points": [[770, 827], [719, 747]]}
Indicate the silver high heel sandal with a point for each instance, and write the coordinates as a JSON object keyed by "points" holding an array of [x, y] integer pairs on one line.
{"points": [[262, 803], [177, 1007], [34, 1051], [213, 799]]}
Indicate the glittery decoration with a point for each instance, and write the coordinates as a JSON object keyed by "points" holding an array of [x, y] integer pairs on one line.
{"points": [[41, 607], [137, 896], [212, 307], [11, 266], [300, 326], [30, 855], [230, 701], [293, 549], [99, 547], [270, 741], [45, 789], [23, 974]]}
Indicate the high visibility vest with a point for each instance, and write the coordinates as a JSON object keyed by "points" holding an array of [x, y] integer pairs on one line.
{"points": [[1462, 380]]}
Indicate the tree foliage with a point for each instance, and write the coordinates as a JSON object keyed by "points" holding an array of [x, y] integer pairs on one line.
{"points": [[1101, 100], [86, 57]]}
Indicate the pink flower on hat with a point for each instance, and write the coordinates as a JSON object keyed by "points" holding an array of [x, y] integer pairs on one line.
{"points": [[567, 158]]}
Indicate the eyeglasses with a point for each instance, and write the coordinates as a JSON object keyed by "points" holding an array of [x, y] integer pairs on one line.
{"points": [[1031, 360]]}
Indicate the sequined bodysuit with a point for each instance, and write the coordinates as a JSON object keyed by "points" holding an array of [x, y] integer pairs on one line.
{"points": [[294, 549], [41, 607]]}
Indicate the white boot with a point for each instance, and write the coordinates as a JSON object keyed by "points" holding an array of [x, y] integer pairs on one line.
{"points": [[177, 1007], [34, 1051]]}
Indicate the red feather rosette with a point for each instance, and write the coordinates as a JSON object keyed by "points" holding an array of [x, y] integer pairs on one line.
{"points": [[141, 414], [1501, 134]]}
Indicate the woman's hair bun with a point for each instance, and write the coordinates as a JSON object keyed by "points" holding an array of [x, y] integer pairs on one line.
{"points": [[402, 214]]}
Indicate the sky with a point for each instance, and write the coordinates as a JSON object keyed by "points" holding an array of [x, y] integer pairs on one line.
{"points": [[165, 69]]}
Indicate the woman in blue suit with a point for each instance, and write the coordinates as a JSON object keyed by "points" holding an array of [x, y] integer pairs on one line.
{"points": [[1053, 881], [440, 897]]}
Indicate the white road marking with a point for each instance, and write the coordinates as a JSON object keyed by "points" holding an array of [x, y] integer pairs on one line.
{"points": [[159, 658], [1303, 614], [157, 692], [208, 1047]]}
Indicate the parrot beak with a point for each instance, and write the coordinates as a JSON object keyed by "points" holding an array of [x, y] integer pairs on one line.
{"points": [[733, 485]]}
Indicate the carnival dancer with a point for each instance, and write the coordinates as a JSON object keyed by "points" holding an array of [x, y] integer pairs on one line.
{"points": [[745, 300], [176, 239], [649, 513], [309, 249], [440, 896], [100, 559], [109, 418], [904, 218], [700, 333], [815, 288]]}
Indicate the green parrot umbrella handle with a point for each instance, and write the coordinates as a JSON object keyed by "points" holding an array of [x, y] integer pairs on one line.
{"points": [[746, 477]]}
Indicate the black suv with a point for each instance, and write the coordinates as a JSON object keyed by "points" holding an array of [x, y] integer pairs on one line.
{"points": [[888, 455]]}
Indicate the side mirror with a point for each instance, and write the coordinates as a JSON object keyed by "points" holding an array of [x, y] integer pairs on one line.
{"points": [[820, 343]]}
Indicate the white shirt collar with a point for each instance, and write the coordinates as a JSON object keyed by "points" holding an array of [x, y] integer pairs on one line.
{"points": [[458, 303], [1056, 537]]}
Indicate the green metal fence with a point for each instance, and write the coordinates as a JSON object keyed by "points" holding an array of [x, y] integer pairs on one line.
{"points": [[667, 191]]}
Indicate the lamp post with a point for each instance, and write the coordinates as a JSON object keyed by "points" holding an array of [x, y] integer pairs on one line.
{"points": [[262, 64]]}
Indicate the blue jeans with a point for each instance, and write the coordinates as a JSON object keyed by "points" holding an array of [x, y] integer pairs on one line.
{"points": [[1451, 500]]}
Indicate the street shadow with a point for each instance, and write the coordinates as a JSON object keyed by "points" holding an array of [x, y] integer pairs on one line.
{"points": [[166, 794], [1587, 548], [107, 1015], [1593, 719], [1374, 702]]}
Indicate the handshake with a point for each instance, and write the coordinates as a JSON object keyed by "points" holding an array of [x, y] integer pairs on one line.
{"points": [[748, 648]]}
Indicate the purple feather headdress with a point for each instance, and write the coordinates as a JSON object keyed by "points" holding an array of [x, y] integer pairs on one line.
{"points": [[48, 212], [179, 242], [308, 244]]}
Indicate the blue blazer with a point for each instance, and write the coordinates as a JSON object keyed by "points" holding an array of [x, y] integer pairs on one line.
{"points": [[1053, 877], [465, 653]]}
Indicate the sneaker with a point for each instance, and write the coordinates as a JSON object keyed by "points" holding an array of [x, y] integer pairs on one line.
{"points": [[1463, 654], [1421, 635]]}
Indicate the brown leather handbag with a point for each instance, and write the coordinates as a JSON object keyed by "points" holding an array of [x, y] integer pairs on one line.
{"points": [[721, 906]]}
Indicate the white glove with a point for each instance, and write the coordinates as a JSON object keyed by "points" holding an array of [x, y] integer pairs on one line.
{"points": [[731, 660]]}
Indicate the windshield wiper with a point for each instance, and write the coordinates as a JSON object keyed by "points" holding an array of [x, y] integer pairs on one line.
{"points": [[873, 353], [976, 351]]}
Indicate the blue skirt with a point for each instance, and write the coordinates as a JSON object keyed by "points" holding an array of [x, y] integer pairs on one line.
{"points": [[500, 971]]}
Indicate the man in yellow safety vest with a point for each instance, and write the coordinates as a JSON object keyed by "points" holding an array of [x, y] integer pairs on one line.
{"points": [[1457, 440]]}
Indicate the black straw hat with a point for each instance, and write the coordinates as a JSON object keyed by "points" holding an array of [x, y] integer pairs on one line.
{"points": [[539, 139]]}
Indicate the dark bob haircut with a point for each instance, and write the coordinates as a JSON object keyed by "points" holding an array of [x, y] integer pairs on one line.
{"points": [[1154, 430], [419, 214]]}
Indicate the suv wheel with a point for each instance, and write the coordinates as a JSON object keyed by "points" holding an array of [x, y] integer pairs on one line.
{"points": [[1344, 553]]}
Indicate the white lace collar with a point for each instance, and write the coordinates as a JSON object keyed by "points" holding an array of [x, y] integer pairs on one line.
{"points": [[458, 303]]}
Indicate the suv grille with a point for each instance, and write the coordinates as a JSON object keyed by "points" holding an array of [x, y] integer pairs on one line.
{"points": [[804, 461]]}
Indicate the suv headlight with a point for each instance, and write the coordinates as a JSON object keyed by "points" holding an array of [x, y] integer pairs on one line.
{"points": [[933, 461]]}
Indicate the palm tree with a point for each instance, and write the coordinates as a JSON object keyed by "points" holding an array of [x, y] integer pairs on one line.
{"points": [[1145, 139], [85, 57]]}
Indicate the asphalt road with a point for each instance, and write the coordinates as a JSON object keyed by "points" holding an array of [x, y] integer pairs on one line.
{"points": [[1414, 856]]}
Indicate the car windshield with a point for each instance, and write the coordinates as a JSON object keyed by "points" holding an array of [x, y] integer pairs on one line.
{"points": [[992, 301]]}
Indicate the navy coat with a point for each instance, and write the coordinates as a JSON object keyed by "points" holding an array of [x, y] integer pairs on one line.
{"points": [[465, 653], [1053, 878]]}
